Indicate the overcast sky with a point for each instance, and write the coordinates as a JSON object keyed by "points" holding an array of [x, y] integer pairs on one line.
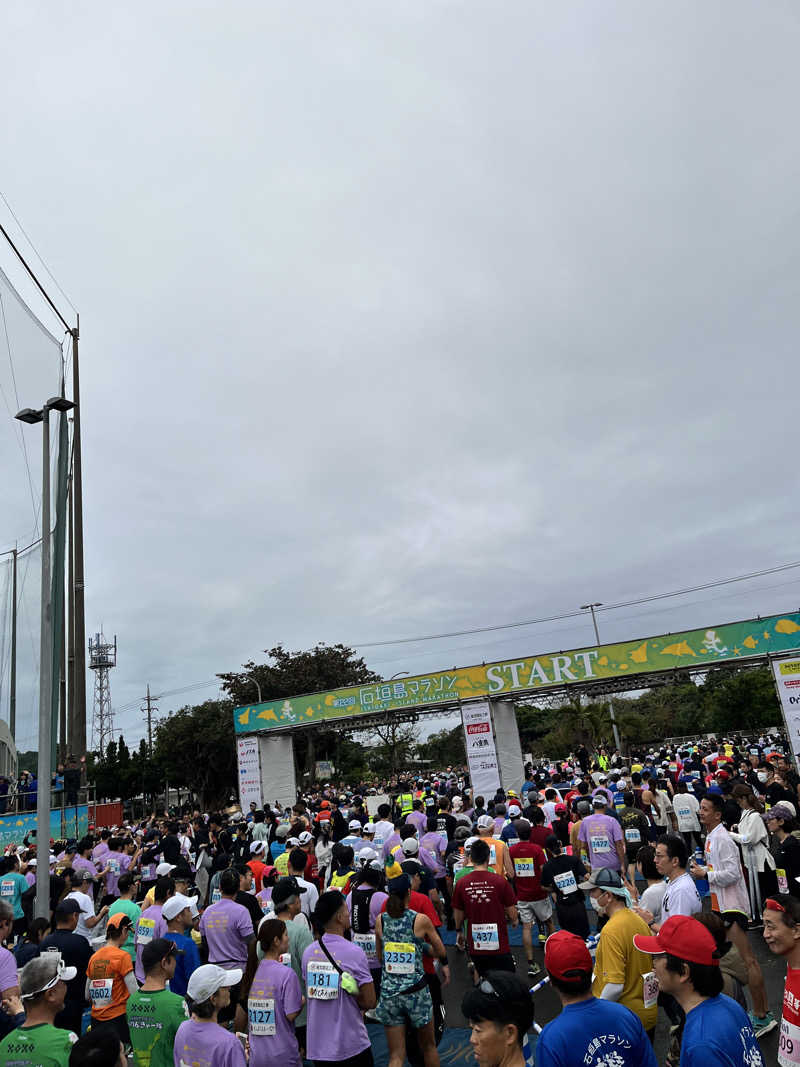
{"points": [[402, 319]]}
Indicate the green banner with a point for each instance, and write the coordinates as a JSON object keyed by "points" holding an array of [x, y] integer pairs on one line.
{"points": [[705, 648]]}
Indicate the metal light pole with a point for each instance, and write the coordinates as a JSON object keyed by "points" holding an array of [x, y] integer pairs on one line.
{"points": [[254, 680], [44, 769], [591, 607]]}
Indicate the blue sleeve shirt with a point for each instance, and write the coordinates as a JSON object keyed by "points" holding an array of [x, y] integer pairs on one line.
{"points": [[588, 1032], [718, 1031]]}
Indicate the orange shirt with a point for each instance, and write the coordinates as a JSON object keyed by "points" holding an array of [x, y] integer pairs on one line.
{"points": [[107, 990]]}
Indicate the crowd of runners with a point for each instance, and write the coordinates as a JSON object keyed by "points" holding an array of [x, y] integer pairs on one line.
{"points": [[640, 885]]}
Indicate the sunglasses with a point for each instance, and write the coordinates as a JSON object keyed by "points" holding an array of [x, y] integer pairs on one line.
{"points": [[49, 985]]}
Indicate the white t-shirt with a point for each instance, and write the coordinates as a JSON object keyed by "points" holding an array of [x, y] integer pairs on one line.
{"points": [[87, 912], [308, 900], [686, 807], [681, 898], [383, 831], [652, 898]]}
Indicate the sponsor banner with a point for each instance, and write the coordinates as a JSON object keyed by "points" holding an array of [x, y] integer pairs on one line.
{"points": [[691, 648], [481, 753], [324, 769], [787, 680], [249, 772], [69, 822]]}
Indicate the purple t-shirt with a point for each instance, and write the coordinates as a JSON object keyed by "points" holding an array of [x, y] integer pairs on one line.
{"points": [[145, 932], [227, 927], [376, 902], [391, 842], [264, 898], [207, 1045], [419, 820], [600, 833], [279, 984], [118, 863], [81, 864], [335, 1026], [8, 970], [99, 852]]}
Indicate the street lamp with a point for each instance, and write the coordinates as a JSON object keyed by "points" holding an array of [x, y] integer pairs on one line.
{"points": [[591, 607], [398, 675], [31, 416], [254, 680]]}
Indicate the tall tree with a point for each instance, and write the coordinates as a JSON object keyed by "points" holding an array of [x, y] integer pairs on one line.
{"points": [[294, 673]]}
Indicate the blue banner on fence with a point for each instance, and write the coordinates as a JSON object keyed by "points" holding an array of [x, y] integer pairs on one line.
{"points": [[64, 823]]}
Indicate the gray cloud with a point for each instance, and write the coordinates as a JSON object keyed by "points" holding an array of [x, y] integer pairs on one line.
{"points": [[396, 322]]}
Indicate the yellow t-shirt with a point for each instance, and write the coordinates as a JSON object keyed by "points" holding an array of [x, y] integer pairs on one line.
{"points": [[618, 961], [282, 864]]}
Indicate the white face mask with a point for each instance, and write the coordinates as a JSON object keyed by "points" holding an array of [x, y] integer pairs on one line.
{"points": [[593, 901], [762, 776]]}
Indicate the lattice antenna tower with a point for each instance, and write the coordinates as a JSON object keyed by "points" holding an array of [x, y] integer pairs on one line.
{"points": [[102, 657]]}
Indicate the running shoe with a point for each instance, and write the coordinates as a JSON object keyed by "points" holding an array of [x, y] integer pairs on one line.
{"points": [[764, 1024], [533, 968]]}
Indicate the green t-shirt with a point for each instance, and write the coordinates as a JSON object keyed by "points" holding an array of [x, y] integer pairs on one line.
{"points": [[37, 1046], [153, 1019], [12, 886], [133, 911]]}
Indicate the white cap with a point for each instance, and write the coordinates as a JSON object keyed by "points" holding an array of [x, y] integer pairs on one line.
{"points": [[485, 821], [163, 869], [306, 837], [369, 828], [206, 980], [293, 841], [599, 800], [470, 842], [366, 854], [514, 810], [174, 905], [354, 824], [410, 846], [256, 847]]}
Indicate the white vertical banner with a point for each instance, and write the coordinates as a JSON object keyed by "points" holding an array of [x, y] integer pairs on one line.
{"points": [[481, 753], [278, 785], [249, 772], [787, 681]]}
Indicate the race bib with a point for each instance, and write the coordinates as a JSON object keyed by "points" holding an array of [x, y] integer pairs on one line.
{"points": [[100, 991], [632, 836], [523, 868], [367, 943], [783, 881], [145, 930], [512, 841], [113, 866], [789, 1044], [261, 1017], [650, 989], [322, 981], [216, 896], [399, 957], [6, 889], [566, 882], [492, 855], [599, 843], [148, 873], [485, 937]]}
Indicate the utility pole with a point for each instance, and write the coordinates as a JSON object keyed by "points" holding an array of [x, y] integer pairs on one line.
{"points": [[79, 737], [149, 722], [591, 607], [12, 703]]}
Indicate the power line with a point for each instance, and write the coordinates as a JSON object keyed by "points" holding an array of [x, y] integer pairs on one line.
{"points": [[575, 614]]}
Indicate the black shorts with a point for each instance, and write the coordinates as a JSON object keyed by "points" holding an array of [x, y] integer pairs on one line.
{"points": [[737, 917], [501, 961]]}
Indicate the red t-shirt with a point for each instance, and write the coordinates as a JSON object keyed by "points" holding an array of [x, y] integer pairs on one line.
{"points": [[423, 903], [528, 859], [539, 834], [483, 896], [257, 867]]}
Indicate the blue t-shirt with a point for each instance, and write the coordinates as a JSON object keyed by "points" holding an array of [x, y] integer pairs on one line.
{"points": [[186, 964], [276, 849], [12, 886], [718, 1031], [587, 1032]]}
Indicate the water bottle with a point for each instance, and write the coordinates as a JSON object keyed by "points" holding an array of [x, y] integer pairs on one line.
{"points": [[701, 883]]}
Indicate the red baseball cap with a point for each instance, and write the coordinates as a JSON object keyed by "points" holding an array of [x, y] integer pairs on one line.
{"points": [[683, 937], [566, 955]]}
